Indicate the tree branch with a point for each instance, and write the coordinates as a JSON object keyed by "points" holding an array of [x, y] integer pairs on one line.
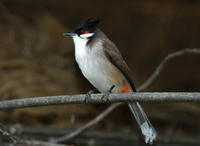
{"points": [[89, 124], [163, 63], [97, 98], [18, 141]]}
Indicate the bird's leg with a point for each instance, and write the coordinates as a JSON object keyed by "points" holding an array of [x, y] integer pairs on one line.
{"points": [[88, 95], [106, 95]]}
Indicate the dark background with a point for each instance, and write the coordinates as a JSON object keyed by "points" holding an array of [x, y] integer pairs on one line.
{"points": [[36, 60]]}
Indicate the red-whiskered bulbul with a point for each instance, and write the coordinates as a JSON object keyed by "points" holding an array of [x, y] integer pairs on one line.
{"points": [[103, 66]]}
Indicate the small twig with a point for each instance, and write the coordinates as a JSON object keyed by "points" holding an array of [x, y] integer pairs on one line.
{"points": [[163, 63], [17, 141], [142, 87], [3, 132], [92, 122]]}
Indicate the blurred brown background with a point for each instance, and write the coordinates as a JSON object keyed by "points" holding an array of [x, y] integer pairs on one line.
{"points": [[36, 60]]}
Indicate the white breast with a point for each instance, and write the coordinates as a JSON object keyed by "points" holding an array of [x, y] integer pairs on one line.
{"points": [[92, 66]]}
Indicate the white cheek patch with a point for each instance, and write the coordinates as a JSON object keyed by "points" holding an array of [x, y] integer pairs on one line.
{"points": [[87, 35]]}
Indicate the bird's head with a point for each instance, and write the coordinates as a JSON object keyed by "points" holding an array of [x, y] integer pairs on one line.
{"points": [[85, 31]]}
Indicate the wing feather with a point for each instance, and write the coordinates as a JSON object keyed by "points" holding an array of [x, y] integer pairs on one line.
{"points": [[115, 57]]}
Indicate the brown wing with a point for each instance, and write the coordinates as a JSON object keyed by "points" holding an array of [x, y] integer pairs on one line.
{"points": [[113, 54]]}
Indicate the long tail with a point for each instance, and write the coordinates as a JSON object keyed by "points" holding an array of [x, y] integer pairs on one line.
{"points": [[146, 127]]}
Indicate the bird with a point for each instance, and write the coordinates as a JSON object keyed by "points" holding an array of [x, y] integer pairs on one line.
{"points": [[102, 64]]}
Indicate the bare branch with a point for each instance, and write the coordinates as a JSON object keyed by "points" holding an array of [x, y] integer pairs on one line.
{"points": [[19, 141], [6, 134], [92, 122], [163, 63], [97, 98]]}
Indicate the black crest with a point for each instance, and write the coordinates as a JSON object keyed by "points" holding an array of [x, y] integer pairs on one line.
{"points": [[89, 25]]}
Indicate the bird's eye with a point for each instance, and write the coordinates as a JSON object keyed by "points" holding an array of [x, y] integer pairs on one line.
{"points": [[86, 32]]}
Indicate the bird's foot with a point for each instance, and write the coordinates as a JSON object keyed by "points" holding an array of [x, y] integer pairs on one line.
{"points": [[106, 95], [88, 95]]}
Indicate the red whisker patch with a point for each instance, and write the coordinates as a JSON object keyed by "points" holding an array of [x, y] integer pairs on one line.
{"points": [[85, 32]]}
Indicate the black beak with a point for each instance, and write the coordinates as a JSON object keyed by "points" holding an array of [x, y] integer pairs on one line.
{"points": [[69, 34]]}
